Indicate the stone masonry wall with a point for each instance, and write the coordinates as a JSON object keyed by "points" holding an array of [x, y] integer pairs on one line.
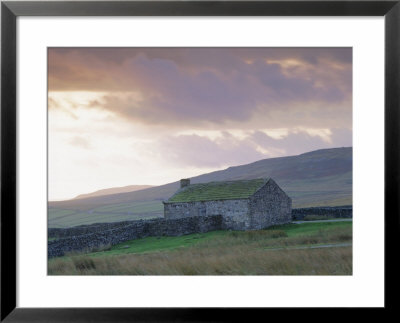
{"points": [[85, 229], [334, 211], [132, 230], [235, 213], [269, 206]]}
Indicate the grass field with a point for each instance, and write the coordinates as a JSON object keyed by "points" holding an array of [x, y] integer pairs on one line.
{"points": [[63, 218], [223, 253]]}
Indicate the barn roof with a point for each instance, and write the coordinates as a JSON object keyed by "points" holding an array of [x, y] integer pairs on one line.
{"points": [[228, 190]]}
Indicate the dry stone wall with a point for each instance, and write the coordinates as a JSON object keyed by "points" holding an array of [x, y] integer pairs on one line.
{"points": [[333, 211], [85, 229], [118, 233]]}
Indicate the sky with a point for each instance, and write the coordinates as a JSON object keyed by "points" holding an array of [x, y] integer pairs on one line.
{"points": [[151, 116]]}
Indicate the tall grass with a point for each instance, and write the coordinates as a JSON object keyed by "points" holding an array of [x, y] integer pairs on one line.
{"points": [[235, 253], [219, 261]]}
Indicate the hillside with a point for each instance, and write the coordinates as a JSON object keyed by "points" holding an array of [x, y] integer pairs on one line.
{"points": [[114, 190], [318, 178]]}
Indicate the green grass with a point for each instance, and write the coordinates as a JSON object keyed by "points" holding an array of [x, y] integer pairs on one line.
{"points": [[218, 191], [222, 253], [157, 244], [135, 207], [113, 207], [62, 218], [59, 213], [304, 229]]}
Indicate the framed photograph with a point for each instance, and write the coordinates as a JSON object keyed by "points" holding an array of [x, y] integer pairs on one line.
{"points": [[191, 155]]}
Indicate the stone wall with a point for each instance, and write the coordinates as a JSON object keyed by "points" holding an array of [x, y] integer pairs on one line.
{"points": [[235, 213], [334, 211], [85, 229], [269, 206], [124, 231]]}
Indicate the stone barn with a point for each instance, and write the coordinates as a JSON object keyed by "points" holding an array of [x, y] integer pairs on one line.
{"points": [[243, 205]]}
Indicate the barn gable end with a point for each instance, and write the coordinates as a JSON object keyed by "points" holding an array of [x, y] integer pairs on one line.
{"points": [[270, 205]]}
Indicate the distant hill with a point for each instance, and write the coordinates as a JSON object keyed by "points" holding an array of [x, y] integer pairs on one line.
{"points": [[114, 190], [318, 178]]}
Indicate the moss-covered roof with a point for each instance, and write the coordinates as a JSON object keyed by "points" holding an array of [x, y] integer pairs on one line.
{"points": [[214, 191]]}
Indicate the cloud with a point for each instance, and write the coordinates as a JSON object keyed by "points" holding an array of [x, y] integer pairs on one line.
{"points": [[342, 137], [66, 64], [294, 143], [198, 151], [229, 150], [205, 85]]}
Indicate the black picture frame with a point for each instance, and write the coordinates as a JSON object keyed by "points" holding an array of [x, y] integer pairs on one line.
{"points": [[10, 10]]}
